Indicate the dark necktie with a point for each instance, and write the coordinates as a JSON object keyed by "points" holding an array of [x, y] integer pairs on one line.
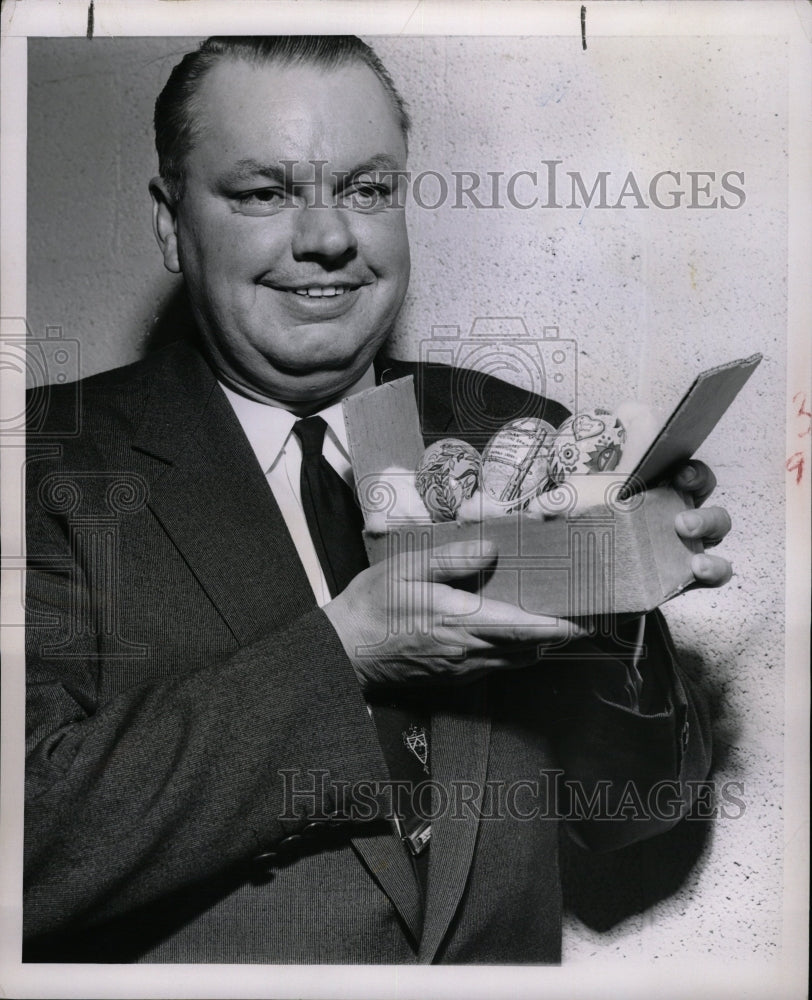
{"points": [[335, 522], [333, 517]]}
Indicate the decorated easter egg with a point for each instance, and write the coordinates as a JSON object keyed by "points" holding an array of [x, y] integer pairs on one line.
{"points": [[591, 441], [447, 474], [514, 462]]}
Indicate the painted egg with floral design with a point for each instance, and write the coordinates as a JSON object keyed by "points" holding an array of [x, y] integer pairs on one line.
{"points": [[448, 473], [591, 441]]}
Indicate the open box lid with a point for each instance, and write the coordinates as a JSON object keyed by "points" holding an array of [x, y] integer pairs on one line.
{"points": [[694, 417]]}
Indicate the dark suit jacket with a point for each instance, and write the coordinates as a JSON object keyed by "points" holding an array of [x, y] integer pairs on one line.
{"points": [[182, 683]]}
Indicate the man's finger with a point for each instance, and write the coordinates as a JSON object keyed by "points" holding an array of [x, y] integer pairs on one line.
{"points": [[447, 562], [697, 479], [710, 524], [711, 571], [513, 640], [500, 622]]}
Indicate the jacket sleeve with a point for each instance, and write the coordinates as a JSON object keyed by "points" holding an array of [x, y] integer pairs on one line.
{"points": [[171, 782], [630, 772]]}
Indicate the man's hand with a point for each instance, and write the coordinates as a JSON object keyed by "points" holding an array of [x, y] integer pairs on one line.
{"points": [[402, 622], [709, 525]]}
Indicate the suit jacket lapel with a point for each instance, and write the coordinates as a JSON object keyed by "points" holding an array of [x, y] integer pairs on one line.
{"points": [[213, 500], [389, 864], [460, 740], [460, 733]]}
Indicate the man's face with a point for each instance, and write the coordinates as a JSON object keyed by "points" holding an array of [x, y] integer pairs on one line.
{"points": [[295, 272]]}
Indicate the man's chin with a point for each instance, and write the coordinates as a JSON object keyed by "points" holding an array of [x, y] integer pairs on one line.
{"points": [[300, 389], [317, 389]]}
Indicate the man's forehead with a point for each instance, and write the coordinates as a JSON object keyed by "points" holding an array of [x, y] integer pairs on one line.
{"points": [[296, 110]]}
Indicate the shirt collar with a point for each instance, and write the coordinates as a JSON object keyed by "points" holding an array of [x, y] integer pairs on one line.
{"points": [[268, 426]]}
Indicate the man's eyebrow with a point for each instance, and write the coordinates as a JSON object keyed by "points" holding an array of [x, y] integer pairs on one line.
{"points": [[243, 170], [379, 163], [281, 173]]}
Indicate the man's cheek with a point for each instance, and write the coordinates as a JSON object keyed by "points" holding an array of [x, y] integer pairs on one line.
{"points": [[386, 231]]}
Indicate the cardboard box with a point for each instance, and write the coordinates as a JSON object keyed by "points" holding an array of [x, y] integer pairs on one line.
{"points": [[620, 557]]}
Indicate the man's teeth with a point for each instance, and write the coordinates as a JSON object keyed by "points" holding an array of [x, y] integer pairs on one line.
{"points": [[318, 292]]}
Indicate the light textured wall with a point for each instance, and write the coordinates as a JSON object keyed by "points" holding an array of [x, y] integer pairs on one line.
{"points": [[651, 297]]}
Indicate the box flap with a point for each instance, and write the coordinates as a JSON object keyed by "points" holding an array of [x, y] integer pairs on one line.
{"points": [[698, 412], [383, 430]]}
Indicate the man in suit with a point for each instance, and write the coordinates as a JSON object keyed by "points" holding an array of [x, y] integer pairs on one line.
{"points": [[207, 760]]}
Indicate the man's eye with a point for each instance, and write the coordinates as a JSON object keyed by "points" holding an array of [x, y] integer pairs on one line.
{"points": [[261, 200], [367, 196]]}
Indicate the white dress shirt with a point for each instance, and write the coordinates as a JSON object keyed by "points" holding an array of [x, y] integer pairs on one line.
{"points": [[269, 430]]}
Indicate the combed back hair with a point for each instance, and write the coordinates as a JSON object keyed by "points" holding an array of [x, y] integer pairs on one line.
{"points": [[177, 125]]}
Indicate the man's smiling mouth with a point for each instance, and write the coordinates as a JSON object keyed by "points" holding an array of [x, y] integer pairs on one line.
{"points": [[315, 290], [319, 291]]}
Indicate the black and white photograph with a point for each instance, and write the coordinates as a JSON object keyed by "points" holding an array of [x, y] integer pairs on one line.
{"points": [[406, 424]]}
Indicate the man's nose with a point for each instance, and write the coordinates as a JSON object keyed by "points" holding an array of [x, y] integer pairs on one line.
{"points": [[322, 232]]}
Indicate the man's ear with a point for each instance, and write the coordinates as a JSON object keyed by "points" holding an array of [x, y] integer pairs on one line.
{"points": [[165, 224]]}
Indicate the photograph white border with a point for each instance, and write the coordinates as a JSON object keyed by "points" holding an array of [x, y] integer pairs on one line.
{"points": [[695, 977]]}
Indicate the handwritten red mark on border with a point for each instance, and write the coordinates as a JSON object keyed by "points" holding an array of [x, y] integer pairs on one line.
{"points": [[803, 412], [795, 463]]}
